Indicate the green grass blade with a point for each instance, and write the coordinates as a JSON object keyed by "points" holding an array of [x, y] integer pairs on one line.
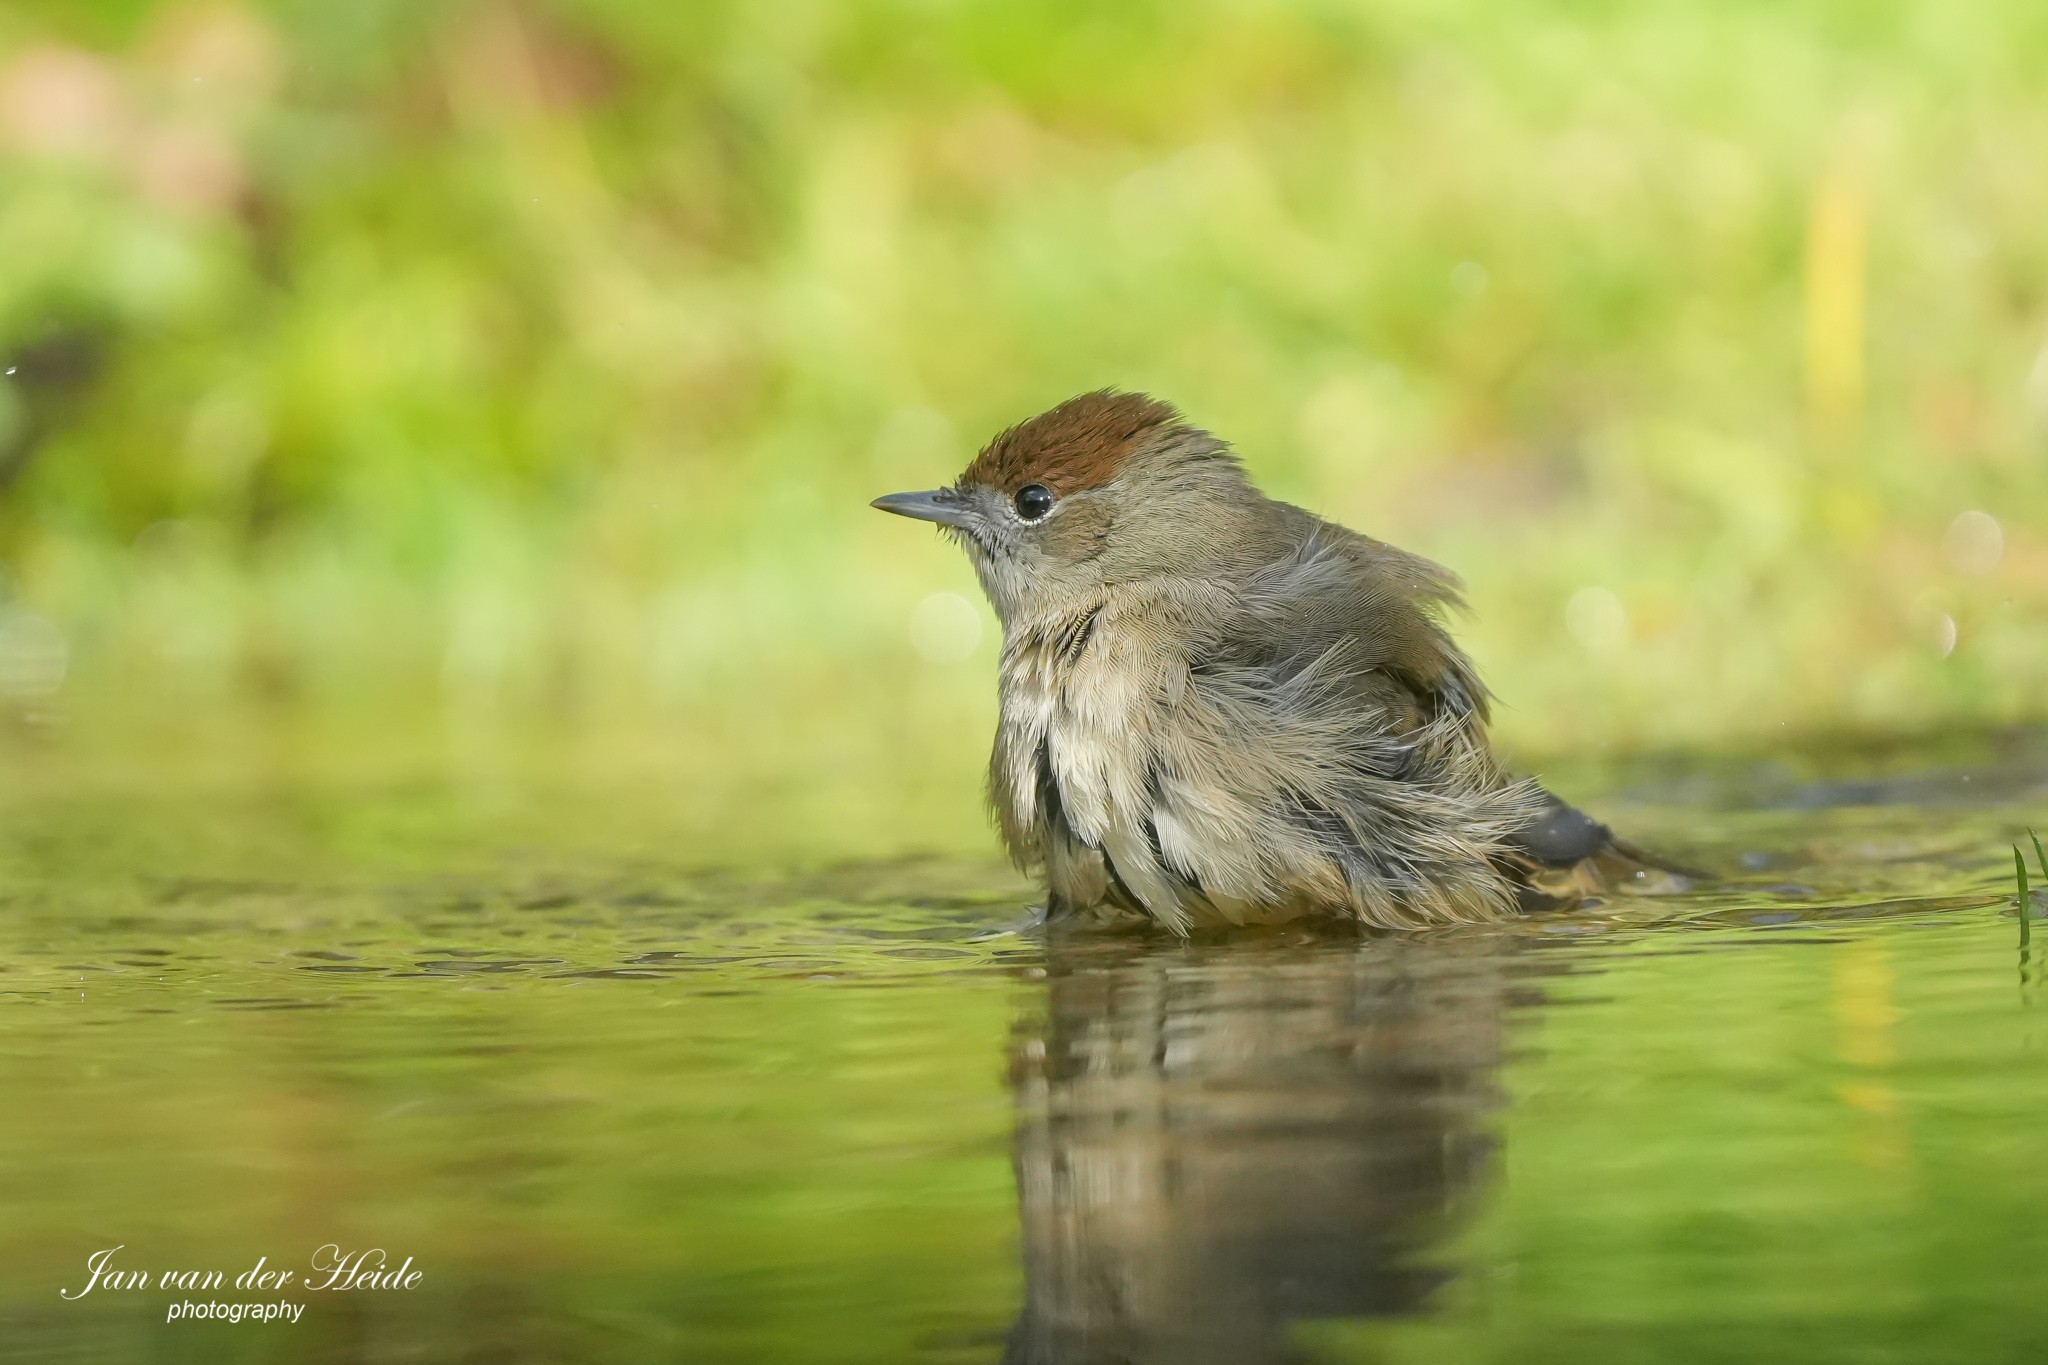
{"points": [[2039, 856], [2019, 867]]}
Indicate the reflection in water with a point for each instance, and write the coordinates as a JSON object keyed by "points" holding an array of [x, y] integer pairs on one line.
{"points": [[1217, 1141]]}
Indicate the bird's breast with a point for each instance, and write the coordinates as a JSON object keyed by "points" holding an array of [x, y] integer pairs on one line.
{"points": [[1080, 704]]}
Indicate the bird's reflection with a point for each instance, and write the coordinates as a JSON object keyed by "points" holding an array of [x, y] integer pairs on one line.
{"points": [[1217, 1141]]}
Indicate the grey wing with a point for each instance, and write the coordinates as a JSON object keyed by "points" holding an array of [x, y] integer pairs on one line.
{"points": [[1385, 606], [1334, 661], [1375, 610]]}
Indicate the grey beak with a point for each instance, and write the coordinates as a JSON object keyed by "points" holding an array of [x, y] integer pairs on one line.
{"points": [[942, 505]]}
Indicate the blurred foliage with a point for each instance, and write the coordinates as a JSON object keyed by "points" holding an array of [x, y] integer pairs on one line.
{"points": [[431, 378]]}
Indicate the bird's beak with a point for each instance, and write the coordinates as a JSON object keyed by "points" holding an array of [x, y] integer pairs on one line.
{"points": [[942, 505]]}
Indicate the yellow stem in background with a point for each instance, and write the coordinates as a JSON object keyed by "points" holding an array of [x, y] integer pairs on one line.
{"points": [[1835, 267]]}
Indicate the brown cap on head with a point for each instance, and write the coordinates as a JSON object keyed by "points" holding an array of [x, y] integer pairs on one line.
{"points": [[1080, 444]]}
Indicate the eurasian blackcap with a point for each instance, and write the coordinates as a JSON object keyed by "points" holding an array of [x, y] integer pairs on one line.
{"points": [[1221, 708]]}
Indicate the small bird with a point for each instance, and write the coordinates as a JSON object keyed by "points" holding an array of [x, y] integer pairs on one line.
{"points": [[1217, 708]]}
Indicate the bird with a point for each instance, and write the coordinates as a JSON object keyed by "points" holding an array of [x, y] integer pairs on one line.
{"points": [[1219, 709]]}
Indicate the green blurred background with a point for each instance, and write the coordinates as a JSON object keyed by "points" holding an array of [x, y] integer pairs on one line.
{"points": [[476, 391]]}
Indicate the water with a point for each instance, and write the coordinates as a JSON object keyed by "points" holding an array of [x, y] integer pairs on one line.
{"points": [[616, 1109]]}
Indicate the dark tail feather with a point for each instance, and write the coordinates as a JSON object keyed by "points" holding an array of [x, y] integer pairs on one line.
{"points": [[1564, 855]]}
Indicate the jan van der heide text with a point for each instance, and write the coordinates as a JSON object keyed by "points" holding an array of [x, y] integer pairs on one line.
{"points": [[332, 1270]]}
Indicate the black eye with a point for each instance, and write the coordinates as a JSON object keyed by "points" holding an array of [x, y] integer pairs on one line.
{"points": [[1034, 500]]}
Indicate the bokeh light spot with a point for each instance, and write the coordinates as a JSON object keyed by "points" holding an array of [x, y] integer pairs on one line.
{"points": [[1975, 543], [1596, 618], [33, 656], [945, 628], [1469, 278], [1945, 636]]}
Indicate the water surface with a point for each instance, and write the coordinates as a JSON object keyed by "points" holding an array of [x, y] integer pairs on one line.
{"points": [[616, 1107]]}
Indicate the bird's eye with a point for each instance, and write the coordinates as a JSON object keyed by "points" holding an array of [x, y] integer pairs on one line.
{"points": [[1033, 500]]}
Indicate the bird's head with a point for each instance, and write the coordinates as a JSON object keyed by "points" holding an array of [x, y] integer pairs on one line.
{"points": [[1106, 488]]}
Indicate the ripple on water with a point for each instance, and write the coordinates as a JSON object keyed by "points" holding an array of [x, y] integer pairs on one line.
{"points": [[1787, 1113]]}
